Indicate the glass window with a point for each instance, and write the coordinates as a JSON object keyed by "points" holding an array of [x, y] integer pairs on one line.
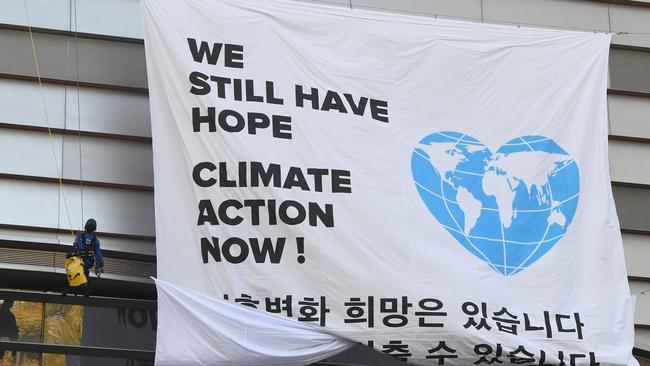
{"points": [[71, 360], [21, 321], [20, 359], [77, 325], [63, 324], [119, 328]]}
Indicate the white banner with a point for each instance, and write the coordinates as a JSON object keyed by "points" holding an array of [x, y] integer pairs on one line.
{"points": [[436, 189]]}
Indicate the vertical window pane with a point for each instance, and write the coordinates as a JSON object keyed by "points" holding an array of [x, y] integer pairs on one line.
{"points": [[21, 320], [119, 328], [63, 324]]}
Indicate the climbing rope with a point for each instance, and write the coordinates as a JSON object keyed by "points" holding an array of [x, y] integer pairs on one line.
{"points": [[47, 119], [81, 178]]}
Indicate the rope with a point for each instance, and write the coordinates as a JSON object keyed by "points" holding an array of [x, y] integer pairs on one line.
{"points": [[47, 120], [81, 178]]}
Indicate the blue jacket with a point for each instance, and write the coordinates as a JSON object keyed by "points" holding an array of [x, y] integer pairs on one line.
{"points": [[80, 246]]}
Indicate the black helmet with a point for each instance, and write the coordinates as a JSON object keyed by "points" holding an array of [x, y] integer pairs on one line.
{"points": [[91, 225]]}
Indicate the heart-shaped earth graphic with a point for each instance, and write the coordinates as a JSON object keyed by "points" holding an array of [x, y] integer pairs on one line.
{"points": [[508, 208]]}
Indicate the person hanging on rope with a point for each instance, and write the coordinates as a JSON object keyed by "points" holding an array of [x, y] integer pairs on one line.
{"points": [[87, 246]]}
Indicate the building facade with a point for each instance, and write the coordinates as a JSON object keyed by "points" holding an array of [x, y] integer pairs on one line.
{"points": [[93, 97]]}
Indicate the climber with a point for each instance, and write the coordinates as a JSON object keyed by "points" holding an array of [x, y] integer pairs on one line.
{"points": [[86, 245]]}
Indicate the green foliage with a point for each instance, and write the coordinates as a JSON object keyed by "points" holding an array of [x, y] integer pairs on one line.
{"points": [[63, 324], [28, 318]]}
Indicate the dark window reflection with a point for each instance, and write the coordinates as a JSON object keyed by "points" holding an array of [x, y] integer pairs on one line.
{"points": [[74, 325], [20, 359], [28, 316], [20, 321], [119, 328], [70, 360]]}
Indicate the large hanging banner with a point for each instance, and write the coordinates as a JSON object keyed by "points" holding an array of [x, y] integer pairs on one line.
{"points": [[327, 176]]}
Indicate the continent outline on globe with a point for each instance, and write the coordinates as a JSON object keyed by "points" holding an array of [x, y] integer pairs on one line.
{"points": [[507, 208]]}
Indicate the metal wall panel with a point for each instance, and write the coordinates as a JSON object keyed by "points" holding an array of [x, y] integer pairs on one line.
{"points": [[33, 236], [128, 245], [20, 103], [630, 19], [102, 110], [29, 153], [40, 204], [113, 17], [104, 160], [29, 203], [642, 338], [633, 207], [556, 13], [629, 162], [109, 111], [116, 210], [108, 160], [629, 116], [629, 70], [56, 60], [637, 252], [100, 61], [112, 63], [52, 14], [641, 315]]}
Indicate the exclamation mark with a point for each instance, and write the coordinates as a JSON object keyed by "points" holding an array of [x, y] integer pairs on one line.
{"points": [[300, 243]]}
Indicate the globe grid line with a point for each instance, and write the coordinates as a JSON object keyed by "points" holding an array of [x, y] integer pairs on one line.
{"points": [[552, 207], [495, 209], [457, 139], [503, 247], [470, 173], [527, 142], [442, 188], [507, 241], [548, 225], [455, 170]]}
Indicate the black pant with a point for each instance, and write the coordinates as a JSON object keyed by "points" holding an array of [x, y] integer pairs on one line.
{"points": [[87, 266]]}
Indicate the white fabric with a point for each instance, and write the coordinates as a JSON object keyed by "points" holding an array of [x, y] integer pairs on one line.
{"points": [[233, 334], [482, 183]]}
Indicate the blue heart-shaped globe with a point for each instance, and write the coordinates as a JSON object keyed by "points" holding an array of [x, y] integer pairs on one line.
{"points": [[508, 208]]}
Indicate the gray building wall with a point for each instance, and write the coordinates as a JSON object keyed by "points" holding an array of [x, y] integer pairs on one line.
{"points": [[110, 107]]}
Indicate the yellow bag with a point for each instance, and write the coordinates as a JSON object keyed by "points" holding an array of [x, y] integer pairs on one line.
{"points": [[74, 267]]}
